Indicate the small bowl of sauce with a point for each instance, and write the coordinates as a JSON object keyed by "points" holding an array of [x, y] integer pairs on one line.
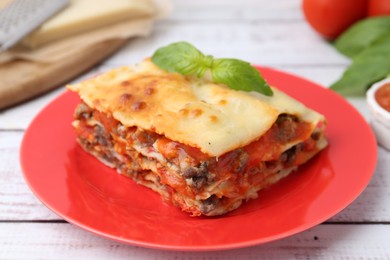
{"points": [[378, 100]]}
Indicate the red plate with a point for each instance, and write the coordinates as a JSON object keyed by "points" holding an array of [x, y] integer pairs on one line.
{"points": [[90, 195]]}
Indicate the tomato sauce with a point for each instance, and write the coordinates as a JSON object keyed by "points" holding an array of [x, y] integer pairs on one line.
{"points": [[235, 166], [382, 96], [107, 121], [270, 145], [170, 149]]}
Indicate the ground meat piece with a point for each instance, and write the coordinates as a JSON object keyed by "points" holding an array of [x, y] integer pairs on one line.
{"points": [[235, 161], [240, 162], [101, 136], [196, 171], [121, 130], [199, 182], [198, 174], [287, 125], [82, 111], [315, 136], [209, 204], [289, 156], [145, 138]]}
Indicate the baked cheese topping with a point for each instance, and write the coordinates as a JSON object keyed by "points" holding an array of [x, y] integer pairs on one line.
{"points": [[191, 111]]}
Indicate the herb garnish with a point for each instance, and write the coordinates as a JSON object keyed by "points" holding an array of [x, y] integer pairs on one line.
{"points": [[184, 58], [368, 44]]}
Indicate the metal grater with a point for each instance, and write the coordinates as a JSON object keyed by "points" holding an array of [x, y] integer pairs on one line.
{"points": [[20, 17]]}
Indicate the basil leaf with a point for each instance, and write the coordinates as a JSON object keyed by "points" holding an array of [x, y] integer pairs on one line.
{"points": [[371, 65], [239, 75], [362, 34], [184, 58], [180, 57]]}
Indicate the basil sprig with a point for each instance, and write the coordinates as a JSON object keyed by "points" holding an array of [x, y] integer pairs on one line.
{"points": [[371, 65], [184, 58], [367, 43], [362, 35]]}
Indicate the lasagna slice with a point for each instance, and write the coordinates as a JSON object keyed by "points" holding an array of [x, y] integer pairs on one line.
{"points": [[202, 146]]}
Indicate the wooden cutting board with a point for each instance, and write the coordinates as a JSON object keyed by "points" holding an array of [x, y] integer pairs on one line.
{"points": [[23, 79], [26, 73]]}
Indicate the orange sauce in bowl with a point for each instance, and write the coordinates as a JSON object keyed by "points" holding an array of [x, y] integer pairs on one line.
{"points": [[382, 96]]}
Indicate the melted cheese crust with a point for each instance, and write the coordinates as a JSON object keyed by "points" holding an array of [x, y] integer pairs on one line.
{"points": [[191, 111]]}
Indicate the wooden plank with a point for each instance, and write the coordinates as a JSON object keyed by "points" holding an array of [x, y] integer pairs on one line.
{"points": [[236, 10], [18, 203], [64, 241], [264, 42], [19, 117]]}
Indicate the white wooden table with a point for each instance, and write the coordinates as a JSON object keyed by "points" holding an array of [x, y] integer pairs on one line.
{"points": [[270, 33]]}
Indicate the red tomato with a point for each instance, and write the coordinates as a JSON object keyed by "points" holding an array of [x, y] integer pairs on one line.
{"points": [[378, 7], [331, 17]]}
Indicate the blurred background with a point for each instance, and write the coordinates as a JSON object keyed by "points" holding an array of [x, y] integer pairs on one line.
{"points": [[87, 37]]}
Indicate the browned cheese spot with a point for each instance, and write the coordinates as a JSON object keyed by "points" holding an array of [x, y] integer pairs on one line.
{"points": [[222, 102], [149, 91], [125, 83], [96, 102], [125, 98], [138, 105], [213, 119], [183, 112], [196, 112]]}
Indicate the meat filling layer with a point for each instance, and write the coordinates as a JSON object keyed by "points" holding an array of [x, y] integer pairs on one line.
{"points": [[198, 183]]}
